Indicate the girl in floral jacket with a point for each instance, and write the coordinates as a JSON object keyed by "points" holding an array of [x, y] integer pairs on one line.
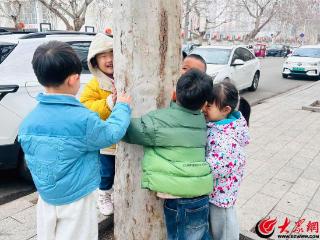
{"points": [[227, 133]]}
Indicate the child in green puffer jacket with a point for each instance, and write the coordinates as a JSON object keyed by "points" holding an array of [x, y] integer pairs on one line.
{"points": [[174, 166]]}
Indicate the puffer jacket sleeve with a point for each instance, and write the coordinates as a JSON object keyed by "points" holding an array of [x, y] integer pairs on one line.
{"points": [[101, 134], [95, 99], [141, 131]]}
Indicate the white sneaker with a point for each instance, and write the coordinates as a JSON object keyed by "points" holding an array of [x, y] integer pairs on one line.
{"points": [[105, 202]]}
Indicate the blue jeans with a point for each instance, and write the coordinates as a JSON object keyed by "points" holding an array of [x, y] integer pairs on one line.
{"points": [[187, 218], [107, 171]]}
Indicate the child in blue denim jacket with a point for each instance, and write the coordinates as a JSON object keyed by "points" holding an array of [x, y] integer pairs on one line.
{"points": [[61, 140]]}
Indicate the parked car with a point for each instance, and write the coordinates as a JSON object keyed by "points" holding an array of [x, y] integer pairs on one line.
{"points": [[276, 50], [232, 63], [304, 61], [19, 86], [188, 47]]}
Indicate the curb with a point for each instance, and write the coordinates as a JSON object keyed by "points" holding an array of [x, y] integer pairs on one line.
{"points": [[287, 93]]}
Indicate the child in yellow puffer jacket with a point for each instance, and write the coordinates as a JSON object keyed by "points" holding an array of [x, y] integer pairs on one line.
{"points": [[99, 95]]}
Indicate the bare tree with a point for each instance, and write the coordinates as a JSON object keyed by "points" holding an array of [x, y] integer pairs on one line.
{"points": [[11, 9], [262, 11], [103, 13], [146, 59], [292, 21], [69, 10], [209, 13]]}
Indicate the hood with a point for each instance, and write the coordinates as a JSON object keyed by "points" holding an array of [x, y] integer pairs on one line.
{"points": [[213, 68], [100, 44], [303, 59], [234, 125]]}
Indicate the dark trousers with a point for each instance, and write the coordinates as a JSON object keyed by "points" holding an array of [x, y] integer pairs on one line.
{"points": [[187, 218], [107, 171]]}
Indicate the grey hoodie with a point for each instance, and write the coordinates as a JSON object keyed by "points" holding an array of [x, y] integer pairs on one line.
{"points": [[100, 44]]}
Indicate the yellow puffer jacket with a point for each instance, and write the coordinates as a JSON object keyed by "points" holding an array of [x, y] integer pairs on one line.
{"points": [[95, 99]]}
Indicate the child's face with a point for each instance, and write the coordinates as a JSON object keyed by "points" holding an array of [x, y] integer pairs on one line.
{"points": [[105, 62], [189, 63], [212, 112]]}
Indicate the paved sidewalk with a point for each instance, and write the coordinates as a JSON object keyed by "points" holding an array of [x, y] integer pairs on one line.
{"points": [[283, 168], [282, 176], [18, 219]]}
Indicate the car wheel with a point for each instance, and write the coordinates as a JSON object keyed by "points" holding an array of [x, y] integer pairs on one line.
{"points": [[23, 168], [284, 75], [255, 82]]}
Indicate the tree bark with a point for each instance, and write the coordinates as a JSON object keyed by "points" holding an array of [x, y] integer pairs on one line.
{"points": [[147, 55]]}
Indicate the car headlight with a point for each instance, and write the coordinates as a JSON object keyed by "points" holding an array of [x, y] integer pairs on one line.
{"points": [[213, 75]]}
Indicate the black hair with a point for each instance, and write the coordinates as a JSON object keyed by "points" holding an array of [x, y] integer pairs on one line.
{"points": [[193, 89], [224, 94], [198, 57], [53, 62], [245, 109], [94, 62], [184, 55]]}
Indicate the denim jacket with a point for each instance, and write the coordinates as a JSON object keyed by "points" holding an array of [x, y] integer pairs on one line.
{"points": [[61, 140]]}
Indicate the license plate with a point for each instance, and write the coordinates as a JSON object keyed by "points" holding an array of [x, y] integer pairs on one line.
{"points": [[298, 69]]}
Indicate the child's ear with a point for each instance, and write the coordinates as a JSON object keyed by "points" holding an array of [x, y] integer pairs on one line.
{"points": [[73, 79], [174, 96], [227, 110]]}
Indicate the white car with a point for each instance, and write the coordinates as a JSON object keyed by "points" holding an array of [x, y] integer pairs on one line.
{"points": [[19, 87], [232, 63], [304, 61]]}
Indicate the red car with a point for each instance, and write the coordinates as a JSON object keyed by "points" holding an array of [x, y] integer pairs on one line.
{"points": [[260, 50]]}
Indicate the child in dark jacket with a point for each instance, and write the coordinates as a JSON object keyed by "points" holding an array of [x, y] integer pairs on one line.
{"points": [[174, 164]]}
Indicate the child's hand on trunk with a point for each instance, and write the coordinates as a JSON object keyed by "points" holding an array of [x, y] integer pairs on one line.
{"points": [[124, 98]]}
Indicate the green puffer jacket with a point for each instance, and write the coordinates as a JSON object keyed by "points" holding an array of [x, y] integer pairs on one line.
{"points": [[174, 142]]}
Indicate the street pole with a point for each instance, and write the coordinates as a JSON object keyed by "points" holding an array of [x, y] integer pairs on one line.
{"points": [[146, 60]]}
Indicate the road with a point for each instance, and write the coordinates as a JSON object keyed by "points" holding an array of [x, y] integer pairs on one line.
{"points": [[13, 187], [271, 81]]}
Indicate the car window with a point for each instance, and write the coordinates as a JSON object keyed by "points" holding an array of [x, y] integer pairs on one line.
{"points": [[5, 50], [307, 52], [247, 55], [82, 48], [214, 55], [237, 55]]}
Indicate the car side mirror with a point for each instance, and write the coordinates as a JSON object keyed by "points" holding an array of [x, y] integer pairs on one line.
{"points": [[237, 62], [5, 89]]}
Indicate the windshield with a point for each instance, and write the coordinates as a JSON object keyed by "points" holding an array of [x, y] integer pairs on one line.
{"points": [[307, 52], [214, 55]]}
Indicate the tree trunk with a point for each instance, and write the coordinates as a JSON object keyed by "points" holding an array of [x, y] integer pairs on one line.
{"points": [[78, 22], [146, 59]]}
